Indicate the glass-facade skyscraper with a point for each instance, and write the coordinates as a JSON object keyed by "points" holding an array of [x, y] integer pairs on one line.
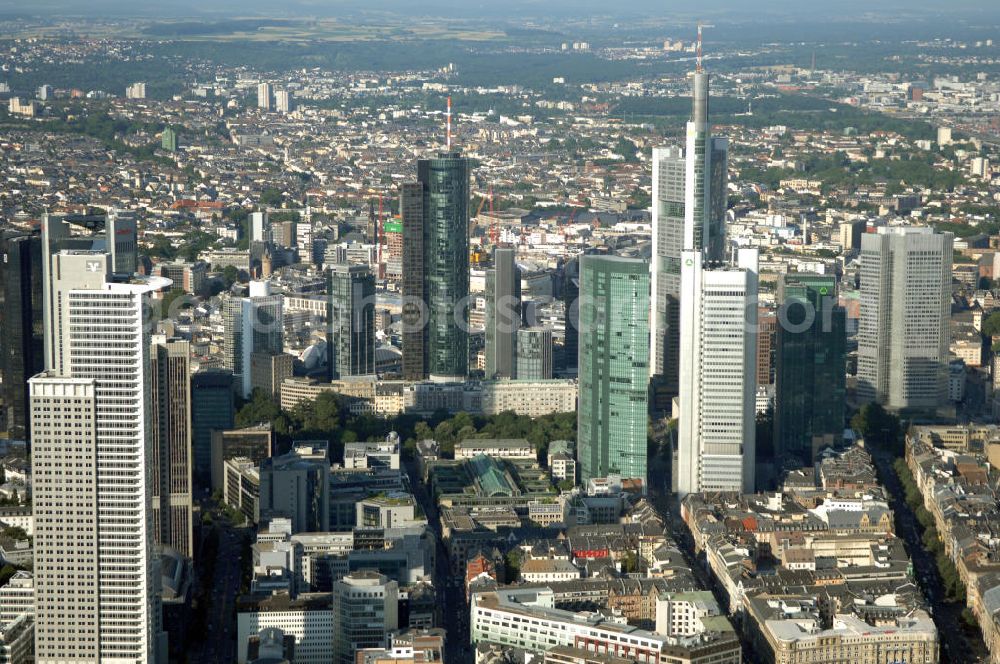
{"points": [[689, 212], [435, 212], [350, 339], [534, 353], [614, 367], [21, 324], [213, 408], [809, 366]]}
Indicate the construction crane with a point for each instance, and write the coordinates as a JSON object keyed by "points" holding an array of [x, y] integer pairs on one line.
{"points": [[494, 225], [698, 52]]}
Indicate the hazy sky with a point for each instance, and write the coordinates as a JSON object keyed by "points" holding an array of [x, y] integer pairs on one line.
{"points": [[737, 9]]}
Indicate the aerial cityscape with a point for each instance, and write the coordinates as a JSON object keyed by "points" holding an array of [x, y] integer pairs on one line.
{"points": [[537, 332]]}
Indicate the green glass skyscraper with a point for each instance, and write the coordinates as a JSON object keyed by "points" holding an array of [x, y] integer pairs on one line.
{"points": [[809, 366], [350, 337], [614, 367], [435, 213]]}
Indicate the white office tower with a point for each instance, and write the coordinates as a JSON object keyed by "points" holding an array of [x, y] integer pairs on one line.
{"points": [[96, 578], [265, 95], [260, 227], [718, 378], [903, 331], [251, 325], [689, 210]]}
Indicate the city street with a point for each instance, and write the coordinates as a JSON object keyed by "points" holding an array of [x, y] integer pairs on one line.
{"points": [[453, 613], [956, 645], [220, 642]]}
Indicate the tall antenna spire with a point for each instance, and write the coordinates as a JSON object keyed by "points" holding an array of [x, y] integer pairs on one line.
{"points": [[448, 116], [698, 58]]}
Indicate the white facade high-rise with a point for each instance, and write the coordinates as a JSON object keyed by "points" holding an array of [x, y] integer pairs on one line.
{"points": [[96, 575], [718, 378], [904, 326], [265, 96]]}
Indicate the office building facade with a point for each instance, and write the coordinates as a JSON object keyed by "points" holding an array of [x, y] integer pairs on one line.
{"points": [[414, 307], [534, 353], [170, 366], [251, 325], [213, 408], [690, 199], [503, 314], [350, 340], [810, 370], [435, 212], [296, 486], [21, 324], [365, 610], [613, 373], [96, 576], [113, 233], [904, 326], [718, 380]]}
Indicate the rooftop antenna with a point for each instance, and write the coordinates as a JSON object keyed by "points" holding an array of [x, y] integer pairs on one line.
{"points": [[698, 52], [448, 116]]}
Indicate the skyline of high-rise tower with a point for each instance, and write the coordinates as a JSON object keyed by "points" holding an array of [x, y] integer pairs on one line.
{"points": [[614, 353], [173, 505], [718, 379], [113, 232], [435, 212], [503, 314], [810, 385], [96, 572], [689, 201], [904, 326], [21, 326], [350, 339], [252, 324]]}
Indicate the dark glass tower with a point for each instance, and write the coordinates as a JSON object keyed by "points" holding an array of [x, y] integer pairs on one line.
{"points": [[436, 244], [350, 339], [411, 209], [571, 335], [212, 409], [503, 314], [810, 366], [21, 324]]}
